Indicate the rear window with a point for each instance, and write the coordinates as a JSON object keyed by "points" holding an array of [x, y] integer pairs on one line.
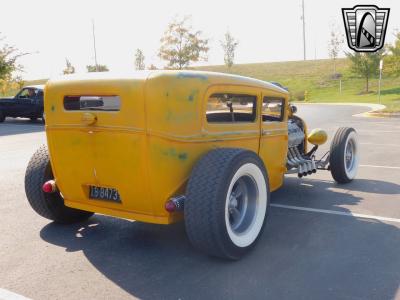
{"points": [[231, 108], [100, 103]]}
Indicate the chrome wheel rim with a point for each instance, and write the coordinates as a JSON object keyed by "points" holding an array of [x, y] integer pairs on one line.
{"points": [[350, 155], [242, 206]]}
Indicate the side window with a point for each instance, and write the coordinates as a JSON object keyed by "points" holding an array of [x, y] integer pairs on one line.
{"points": [[99, 103], [24, 93], [229, 108], [273, 109]]}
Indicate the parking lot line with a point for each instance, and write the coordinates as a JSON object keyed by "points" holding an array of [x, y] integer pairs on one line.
{"points": [[383, 145], [377, 131], [7, 295], [333, 212], [382, 167]]}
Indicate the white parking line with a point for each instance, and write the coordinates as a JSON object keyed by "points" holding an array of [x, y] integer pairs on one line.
{"points": [[383, 145], [333, 212], [382, 167], [377, 131], [7, 295]]}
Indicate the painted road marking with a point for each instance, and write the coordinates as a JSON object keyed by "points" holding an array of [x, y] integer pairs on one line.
{"points": [[333, 212], [382, 167], [377, 131], [384, 145], [7, 295]]}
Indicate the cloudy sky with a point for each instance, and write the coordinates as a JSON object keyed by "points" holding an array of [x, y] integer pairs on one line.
{"points": [[267, 30]]}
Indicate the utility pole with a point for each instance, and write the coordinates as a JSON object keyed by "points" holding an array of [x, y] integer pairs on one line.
{"points": [[94, 47], [304, 29], [380, 79]]}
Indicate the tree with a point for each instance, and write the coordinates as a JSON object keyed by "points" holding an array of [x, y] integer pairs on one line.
{"points": [[139, 60], [69, 69], [8, 60], [365, 64], [180, 45], [392, 61], [334, 45], [98, 68], [229, 46]]}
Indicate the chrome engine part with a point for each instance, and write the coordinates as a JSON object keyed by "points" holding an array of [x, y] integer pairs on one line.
{"points": [[304, 165], [295, 160], [295, 134]]}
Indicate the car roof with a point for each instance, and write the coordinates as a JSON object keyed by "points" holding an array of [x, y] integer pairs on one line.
{"points": [[35, 86], [188, 74]]}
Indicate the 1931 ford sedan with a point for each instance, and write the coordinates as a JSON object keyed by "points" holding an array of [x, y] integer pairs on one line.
{"points": [[163, 146]]}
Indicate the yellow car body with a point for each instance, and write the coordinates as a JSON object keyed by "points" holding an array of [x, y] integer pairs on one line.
{"points": [[148, 148]]}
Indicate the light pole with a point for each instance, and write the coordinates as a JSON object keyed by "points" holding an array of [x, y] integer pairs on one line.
{"points": [[380, 78], [304, 29], [94, 47]]}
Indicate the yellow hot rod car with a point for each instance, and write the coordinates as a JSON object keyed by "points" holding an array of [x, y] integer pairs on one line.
{"points": [[162, 146]]}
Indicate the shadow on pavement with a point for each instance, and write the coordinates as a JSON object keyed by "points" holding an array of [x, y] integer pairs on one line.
{"points": [[17, 126], [301, 255]]}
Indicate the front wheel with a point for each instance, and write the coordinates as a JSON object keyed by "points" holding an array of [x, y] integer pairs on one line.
{"points": [[344, 155], [227, 202], [48, 205]]}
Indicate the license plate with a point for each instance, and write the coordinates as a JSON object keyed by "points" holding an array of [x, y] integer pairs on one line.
{"points": [[103, 193]]}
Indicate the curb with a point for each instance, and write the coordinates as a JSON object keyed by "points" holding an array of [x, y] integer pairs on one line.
{"points": [[373, 113]]}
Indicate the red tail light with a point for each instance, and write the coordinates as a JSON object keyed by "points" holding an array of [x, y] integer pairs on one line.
{"points": [[49, 186], [170, 206]]}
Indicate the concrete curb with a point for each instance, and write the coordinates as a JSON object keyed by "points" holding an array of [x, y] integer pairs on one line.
{"points": [[372, 113]]}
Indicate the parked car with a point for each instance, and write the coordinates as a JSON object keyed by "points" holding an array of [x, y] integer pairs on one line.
{"points": [[163, 146], [28, 103]]}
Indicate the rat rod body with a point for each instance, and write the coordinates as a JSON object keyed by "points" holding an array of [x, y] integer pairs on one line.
{"points": [[163, 146]]}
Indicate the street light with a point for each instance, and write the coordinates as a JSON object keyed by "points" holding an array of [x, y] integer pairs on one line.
{"points": [[380, 78]]}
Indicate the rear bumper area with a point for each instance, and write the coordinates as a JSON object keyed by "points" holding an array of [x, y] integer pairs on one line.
{"points": [[171, 218]]}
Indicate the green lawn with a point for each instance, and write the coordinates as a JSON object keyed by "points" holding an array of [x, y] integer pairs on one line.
{"points": [[315, 77]]}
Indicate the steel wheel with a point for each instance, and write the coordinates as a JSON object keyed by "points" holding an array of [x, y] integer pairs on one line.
{"points": [[246, 204], [351, 155], [344, 155]]}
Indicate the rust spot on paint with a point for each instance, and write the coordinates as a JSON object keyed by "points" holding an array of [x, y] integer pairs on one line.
{"points": [[183, 156], [184, 75], [193, 95], [172, 152]]}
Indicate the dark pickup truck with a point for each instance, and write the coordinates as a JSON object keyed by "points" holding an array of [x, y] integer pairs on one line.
{"points": [[28, 103]]}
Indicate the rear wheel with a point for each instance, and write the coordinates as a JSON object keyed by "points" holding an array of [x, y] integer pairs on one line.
{"points": [[48, 205], [227, 202], [344, 156]]}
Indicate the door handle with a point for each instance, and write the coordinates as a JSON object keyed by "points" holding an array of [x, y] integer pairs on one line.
{"points": [[89, 118], [265, 132]]}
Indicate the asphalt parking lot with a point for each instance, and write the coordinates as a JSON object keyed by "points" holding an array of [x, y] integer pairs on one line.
{"points": [[322, 240]]}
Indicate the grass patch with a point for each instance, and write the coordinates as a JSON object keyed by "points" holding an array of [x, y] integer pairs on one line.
{"points": [[315, 77]]}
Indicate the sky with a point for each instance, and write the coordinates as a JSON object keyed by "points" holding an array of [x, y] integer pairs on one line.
{"points": [[268, 31]]}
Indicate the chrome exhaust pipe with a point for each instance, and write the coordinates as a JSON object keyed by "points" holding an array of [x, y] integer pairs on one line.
{"points": [[306, 161], [301, 161], [302, 168], [314, 167]]}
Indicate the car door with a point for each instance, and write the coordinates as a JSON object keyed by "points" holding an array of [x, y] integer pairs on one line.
{"points": [[274, 136], [25, 103]]}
